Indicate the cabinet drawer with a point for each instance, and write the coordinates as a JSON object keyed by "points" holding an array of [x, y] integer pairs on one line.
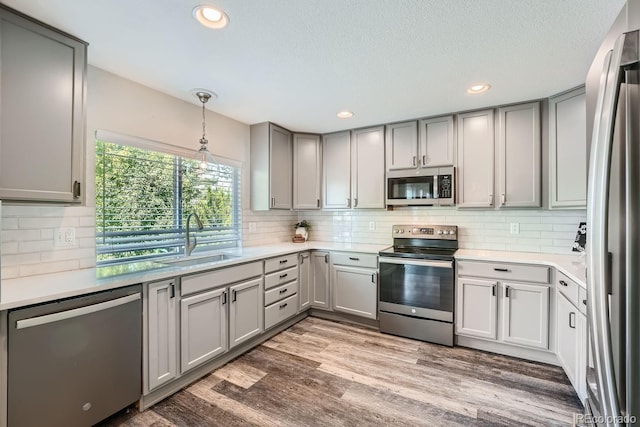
{"points": [[582, 300], [355, 259], [275, 264], [568, 288], [281, 292], [224, 276], [280, 311], [506, 271], [280, 277]]}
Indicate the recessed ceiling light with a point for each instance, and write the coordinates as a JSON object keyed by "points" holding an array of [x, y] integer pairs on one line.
{"points": [[345, 114], [210, 16], [479, 88]]}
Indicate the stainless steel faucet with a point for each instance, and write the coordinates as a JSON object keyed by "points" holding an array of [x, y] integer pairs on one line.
{"points": [[188, 247]]}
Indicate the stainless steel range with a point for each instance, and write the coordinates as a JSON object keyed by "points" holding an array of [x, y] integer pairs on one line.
{"points": [[417, 283]]}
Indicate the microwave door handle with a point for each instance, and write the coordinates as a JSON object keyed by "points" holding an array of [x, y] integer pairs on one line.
{"points": [[597, 232], [436, 190]]}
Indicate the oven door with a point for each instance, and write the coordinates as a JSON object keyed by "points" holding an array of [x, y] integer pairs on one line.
{"points": [[421, 288]]}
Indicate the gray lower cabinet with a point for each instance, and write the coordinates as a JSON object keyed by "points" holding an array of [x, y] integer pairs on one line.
{"points": [[354, 281], [319, 288], [203, 328], [503, 302], [42, 125], [245, 311], [280, 289], [304, 281], [160, 333]]}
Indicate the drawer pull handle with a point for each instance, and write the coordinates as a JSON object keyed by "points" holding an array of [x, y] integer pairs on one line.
{"points": [[282, 276], [504, 270], [572, 320], [354, 258], [282, 291], [283, 305], [563, 283], [493, 290], [284, 261]]}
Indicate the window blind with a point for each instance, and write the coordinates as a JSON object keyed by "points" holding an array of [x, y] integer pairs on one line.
{"points": [[143, 198]]}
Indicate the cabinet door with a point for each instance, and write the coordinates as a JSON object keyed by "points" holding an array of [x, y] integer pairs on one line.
{"points": [[436, 141], [475, 159], [203, 328], [246, 311], [320, 280], [355, 291], [477, 308], [567, 335], [402, 146], [519, 147], [525, 314], [304, 281], [42, 99], [568, 149], [581, 368], [367, 168], [336, 165], [280, 165], [161, 333], [306, 171]]}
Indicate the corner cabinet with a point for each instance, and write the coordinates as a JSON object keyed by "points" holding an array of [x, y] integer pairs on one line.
{"points": [[476, 145], [568, 150], [519, 154], [307, 171], [271, 167], [42, 125]]}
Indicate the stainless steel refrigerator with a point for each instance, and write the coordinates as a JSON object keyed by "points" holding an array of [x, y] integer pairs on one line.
{"points": [[613, 233]]}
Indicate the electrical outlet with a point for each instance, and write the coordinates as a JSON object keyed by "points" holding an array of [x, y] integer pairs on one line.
{"points": [[252, 227], [515, 228], [65, 236], [372, 226]]}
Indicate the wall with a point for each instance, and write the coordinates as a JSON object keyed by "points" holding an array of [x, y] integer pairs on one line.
{"points": [[540, 230], [123, 106]]}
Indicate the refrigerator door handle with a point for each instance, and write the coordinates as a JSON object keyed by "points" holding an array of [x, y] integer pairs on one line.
{"points": [[597, 232]]}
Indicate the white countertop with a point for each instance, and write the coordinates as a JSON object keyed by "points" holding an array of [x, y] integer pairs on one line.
{"points": [[25, 291]]}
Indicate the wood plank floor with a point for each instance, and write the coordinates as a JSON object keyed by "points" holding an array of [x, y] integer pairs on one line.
{"points": [[323, 373]]}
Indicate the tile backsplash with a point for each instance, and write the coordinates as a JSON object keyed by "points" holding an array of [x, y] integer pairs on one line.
{"points": [[539, 230], [28, 245]]}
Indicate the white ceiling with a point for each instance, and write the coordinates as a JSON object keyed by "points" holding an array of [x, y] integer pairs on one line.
{"points": [[298, 62]]}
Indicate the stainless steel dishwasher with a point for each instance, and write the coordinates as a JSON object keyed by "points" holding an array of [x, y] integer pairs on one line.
{"points": [[76, 361]]}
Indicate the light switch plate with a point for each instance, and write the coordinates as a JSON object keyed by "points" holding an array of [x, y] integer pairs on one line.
{"points": [[515, 228]]}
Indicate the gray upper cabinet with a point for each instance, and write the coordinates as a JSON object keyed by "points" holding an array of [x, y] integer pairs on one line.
{"points": [[437, 141], [42, 99], [367, 168], [475, 154], [519, 153], [402, 145], [271, 167], [568, 150], [307, 171], [336, 166]]}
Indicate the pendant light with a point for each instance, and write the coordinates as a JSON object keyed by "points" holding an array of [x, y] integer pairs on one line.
{"points": [[204, 155]]}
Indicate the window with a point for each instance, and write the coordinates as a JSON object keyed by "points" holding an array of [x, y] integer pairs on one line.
{"points": [[143, 198]]}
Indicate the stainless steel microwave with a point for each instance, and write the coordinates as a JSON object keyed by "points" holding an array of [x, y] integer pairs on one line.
{"points": [[421, 187]]}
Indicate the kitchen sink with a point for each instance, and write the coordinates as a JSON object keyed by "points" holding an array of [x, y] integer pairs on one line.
{"points": [[186, 262]]}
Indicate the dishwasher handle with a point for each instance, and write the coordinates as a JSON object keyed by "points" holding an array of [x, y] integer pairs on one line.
{"points": [[81, 311]]}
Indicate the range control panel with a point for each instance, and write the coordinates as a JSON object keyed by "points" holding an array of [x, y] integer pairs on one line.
{"points": [[449, 232]]}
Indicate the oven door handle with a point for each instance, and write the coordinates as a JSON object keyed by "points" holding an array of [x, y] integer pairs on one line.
{"points": [[421, 263]]}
